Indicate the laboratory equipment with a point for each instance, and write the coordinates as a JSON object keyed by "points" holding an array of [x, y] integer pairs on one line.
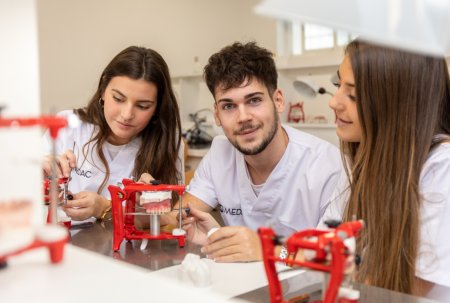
{"points": [[17, 211], [63, 195], [331, 251], [154, 201]]}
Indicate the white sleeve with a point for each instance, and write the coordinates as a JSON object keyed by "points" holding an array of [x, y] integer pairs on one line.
{"points": [[180, 163], [336, 204], [65, 137], [433, 259], [202, 185]]}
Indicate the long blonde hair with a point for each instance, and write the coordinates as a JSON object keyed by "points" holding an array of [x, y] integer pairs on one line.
{"points": [[403, 101]]}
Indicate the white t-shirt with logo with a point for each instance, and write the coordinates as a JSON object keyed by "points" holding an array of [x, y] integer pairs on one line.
{"points": [[293, 197], [90, 172]]}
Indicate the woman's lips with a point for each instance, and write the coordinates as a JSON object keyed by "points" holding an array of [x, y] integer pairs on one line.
{"points": [[340, 121], [124, 125]]}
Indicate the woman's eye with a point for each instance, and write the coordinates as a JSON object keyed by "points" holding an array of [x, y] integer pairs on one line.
{"points": [[351, 97], [337, 84], [117, 99], [144, 107]]}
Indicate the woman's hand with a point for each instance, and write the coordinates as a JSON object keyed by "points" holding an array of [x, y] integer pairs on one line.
{"points": [[86, 204], [146, 178], [64, 164]]}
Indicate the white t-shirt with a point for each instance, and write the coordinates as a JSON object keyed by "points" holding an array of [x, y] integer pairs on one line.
{"points": [[293, 197], [90, 171], [433, 262]]}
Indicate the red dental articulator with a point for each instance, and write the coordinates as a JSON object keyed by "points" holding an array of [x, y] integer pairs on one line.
{"points": [[159, 196], [328, 251]]}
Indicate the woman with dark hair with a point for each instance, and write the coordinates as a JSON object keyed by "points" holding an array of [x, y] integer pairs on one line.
{"points": [[393, 119], [131, 126]]}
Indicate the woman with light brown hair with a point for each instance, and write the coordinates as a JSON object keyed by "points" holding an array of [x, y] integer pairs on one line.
{"points": [[393, 119]]}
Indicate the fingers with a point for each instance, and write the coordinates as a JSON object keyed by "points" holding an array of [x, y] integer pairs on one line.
{"points": [[72, 159], [168, 219], [203, 216], [79, 201], [47, 166], [226, 232], [64, 164], [84, 205], [146, 178], [77, 214], [233, 244]]}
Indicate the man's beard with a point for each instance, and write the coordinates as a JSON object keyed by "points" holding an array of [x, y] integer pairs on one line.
{"points": [[265, 142]]}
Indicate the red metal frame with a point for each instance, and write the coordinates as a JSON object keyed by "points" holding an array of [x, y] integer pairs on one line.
{"points": [[56, 250], [123, 225], [325, 244], [54, 124], [47, 182]]}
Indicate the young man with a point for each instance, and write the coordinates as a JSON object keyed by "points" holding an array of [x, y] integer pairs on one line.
{"points": [[261, 173]]}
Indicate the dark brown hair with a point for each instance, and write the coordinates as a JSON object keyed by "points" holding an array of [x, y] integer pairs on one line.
{"points": [[236, 63], [161, 137], [403, 102]]}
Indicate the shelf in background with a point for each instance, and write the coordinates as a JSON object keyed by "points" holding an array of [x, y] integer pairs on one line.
{"points": [[311, 125], [197, 152]]}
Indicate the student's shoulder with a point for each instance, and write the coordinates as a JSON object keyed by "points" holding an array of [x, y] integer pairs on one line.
{"points": [[304, 141], [66, 113], [221, 142], [437, 166], [75, 124], [439, 156]]}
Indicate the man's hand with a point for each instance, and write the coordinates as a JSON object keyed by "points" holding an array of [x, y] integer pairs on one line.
{"points": [[198, 225], [233, 244]]}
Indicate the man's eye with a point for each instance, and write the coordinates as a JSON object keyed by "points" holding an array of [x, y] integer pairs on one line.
{"points": [[255, 100], [228, 106]]}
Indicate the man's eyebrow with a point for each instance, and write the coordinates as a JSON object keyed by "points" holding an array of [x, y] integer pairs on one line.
{"points": [[248, 96]]}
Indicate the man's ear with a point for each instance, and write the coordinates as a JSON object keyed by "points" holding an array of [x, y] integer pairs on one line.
{"points": [[278, 99], [216, 115]]}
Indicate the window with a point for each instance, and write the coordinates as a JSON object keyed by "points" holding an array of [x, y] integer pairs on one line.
{"points": [[317, 37], [295, 38]]}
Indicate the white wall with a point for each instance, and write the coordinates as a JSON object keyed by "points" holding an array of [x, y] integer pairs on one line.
{"points": [[19, 76], [21, 172], [78, 38]]}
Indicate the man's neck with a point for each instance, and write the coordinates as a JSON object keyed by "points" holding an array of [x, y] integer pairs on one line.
{"points": [[260, 166]]}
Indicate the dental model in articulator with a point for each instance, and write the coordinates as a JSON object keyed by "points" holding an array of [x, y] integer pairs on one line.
{"points": [[331, 251], [155, 199], [63, 195], [17, 232]]}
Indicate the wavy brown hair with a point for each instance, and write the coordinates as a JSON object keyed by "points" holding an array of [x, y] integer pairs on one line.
{"points": [[403, 102], [161, 138]]}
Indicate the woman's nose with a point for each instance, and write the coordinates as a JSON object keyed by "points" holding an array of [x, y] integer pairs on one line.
{"points": [[127, 112], [335, 102]]}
